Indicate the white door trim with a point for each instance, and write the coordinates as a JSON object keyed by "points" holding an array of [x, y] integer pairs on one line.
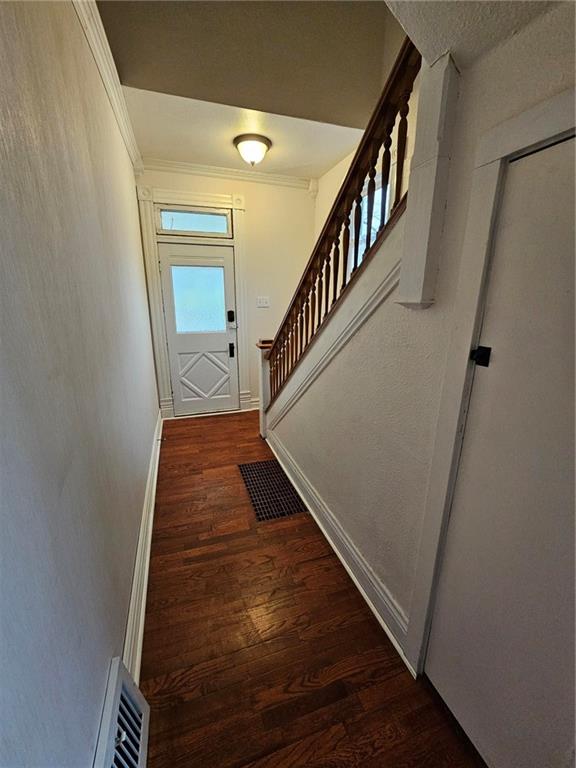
{"points": [[147, 198], [545, 124]]}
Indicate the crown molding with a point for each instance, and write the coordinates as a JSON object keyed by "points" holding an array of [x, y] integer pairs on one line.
{"points": [[89, 18], [173, 166]]}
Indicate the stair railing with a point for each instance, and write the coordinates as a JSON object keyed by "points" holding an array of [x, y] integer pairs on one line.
{"points": [[362, 214]]}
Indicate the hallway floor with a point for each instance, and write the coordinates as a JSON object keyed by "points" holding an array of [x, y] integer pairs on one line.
{"points": [[258, 650]]}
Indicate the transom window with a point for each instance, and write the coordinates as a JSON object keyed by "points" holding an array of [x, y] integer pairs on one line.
{"points": [[195, 222]]}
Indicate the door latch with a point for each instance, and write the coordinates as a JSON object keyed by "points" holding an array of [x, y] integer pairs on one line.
{"points": [[231, 349], [481, 356], [231, 315]]}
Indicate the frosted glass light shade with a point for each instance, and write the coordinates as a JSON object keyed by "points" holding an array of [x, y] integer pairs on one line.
{"points": [[252, 147]]}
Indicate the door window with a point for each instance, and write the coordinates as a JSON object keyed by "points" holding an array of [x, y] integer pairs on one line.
{"points": [[198, 222], [199, 299]]}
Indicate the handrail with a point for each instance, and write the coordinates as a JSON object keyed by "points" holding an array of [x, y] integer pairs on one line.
{"points": [[348, 239]]}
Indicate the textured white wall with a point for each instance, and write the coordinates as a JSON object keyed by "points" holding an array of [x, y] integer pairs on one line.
{"points": [[78, 400], [277, 243], [364, 431]]}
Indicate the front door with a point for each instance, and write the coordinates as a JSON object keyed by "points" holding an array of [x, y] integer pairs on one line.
{"points": [[200, 315], [501, 649]]}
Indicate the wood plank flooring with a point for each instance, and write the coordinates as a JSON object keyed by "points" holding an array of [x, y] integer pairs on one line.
{"points": [[258, 649]]}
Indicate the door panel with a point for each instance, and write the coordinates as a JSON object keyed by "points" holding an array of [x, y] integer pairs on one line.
{"points": [[501, 649], [198, 291]]}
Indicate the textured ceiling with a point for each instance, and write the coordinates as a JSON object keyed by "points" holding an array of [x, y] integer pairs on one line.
{"points": [[465, 28], [322, 61]]}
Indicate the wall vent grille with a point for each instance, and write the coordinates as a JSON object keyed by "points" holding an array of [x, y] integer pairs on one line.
{"points": [[123, 739]]}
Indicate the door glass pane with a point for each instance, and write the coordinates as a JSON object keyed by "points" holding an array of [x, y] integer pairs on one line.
{"points": [[194, 221], [199, 301]]}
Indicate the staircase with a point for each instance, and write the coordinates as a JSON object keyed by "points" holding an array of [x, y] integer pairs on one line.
{"points": [[371, 200]]}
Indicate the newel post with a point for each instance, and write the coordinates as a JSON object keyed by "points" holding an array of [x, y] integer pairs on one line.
{"points": [[264, 345]]}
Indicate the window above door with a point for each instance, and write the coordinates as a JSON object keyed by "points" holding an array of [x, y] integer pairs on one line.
{"points": [[194, 222]]}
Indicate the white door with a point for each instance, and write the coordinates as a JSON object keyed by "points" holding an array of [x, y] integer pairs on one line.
{"points": [[501, 649], [200, 314]]}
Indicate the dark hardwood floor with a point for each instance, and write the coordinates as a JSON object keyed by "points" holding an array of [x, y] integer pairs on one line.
{"points": [[258, 649]]}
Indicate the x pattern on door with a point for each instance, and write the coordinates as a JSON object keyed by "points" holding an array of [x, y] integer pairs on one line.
{"points": [[204, 374]]}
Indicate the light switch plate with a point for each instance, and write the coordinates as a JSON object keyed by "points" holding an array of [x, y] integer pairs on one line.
{"points": [[263, 302]]}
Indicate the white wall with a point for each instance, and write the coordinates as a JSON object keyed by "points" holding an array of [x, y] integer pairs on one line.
{"points": [[277, 243], [364, 432], [328, 187], [78, 400]]}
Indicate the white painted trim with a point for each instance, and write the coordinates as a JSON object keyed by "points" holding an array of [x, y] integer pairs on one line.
{"points": [[290, 395], [251, 405], [182, 197], [529, 129], [382, 604], [89, 17], [241, 289], [148, 197], [535, 128], [172, 166], [167, 407], [132, 654], [156, 306], [248, 403], [264, 389], [428, 184]]}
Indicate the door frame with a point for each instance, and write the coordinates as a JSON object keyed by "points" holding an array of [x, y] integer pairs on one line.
{"points": [[148, 198], [219, 254], [541, 126]]}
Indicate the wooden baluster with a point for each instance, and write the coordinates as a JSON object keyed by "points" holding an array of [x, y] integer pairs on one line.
{"points": [[336, 264], [357, 225], [306, 322], [283, 359], [279, 362], [293, 356], [294, 336], [371, 193], [401, 151], [345, 249], [301, 324], [320, 287], [313, 306], [385, 172], [296, 355], [280, 341], [327, 283]]}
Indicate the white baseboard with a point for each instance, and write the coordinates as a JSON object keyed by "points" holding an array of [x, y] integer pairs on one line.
{"points": [[132, 654], [247, 402], [387, 611]]}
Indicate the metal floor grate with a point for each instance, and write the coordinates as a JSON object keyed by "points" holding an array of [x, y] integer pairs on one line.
{"points": [[271, 493]]}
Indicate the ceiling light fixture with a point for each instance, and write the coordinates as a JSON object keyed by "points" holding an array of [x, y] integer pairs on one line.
{"points": [[252, 147]]}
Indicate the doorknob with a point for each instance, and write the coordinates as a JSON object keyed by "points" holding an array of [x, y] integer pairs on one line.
{"points": [[481, 356], [231, 349]]}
